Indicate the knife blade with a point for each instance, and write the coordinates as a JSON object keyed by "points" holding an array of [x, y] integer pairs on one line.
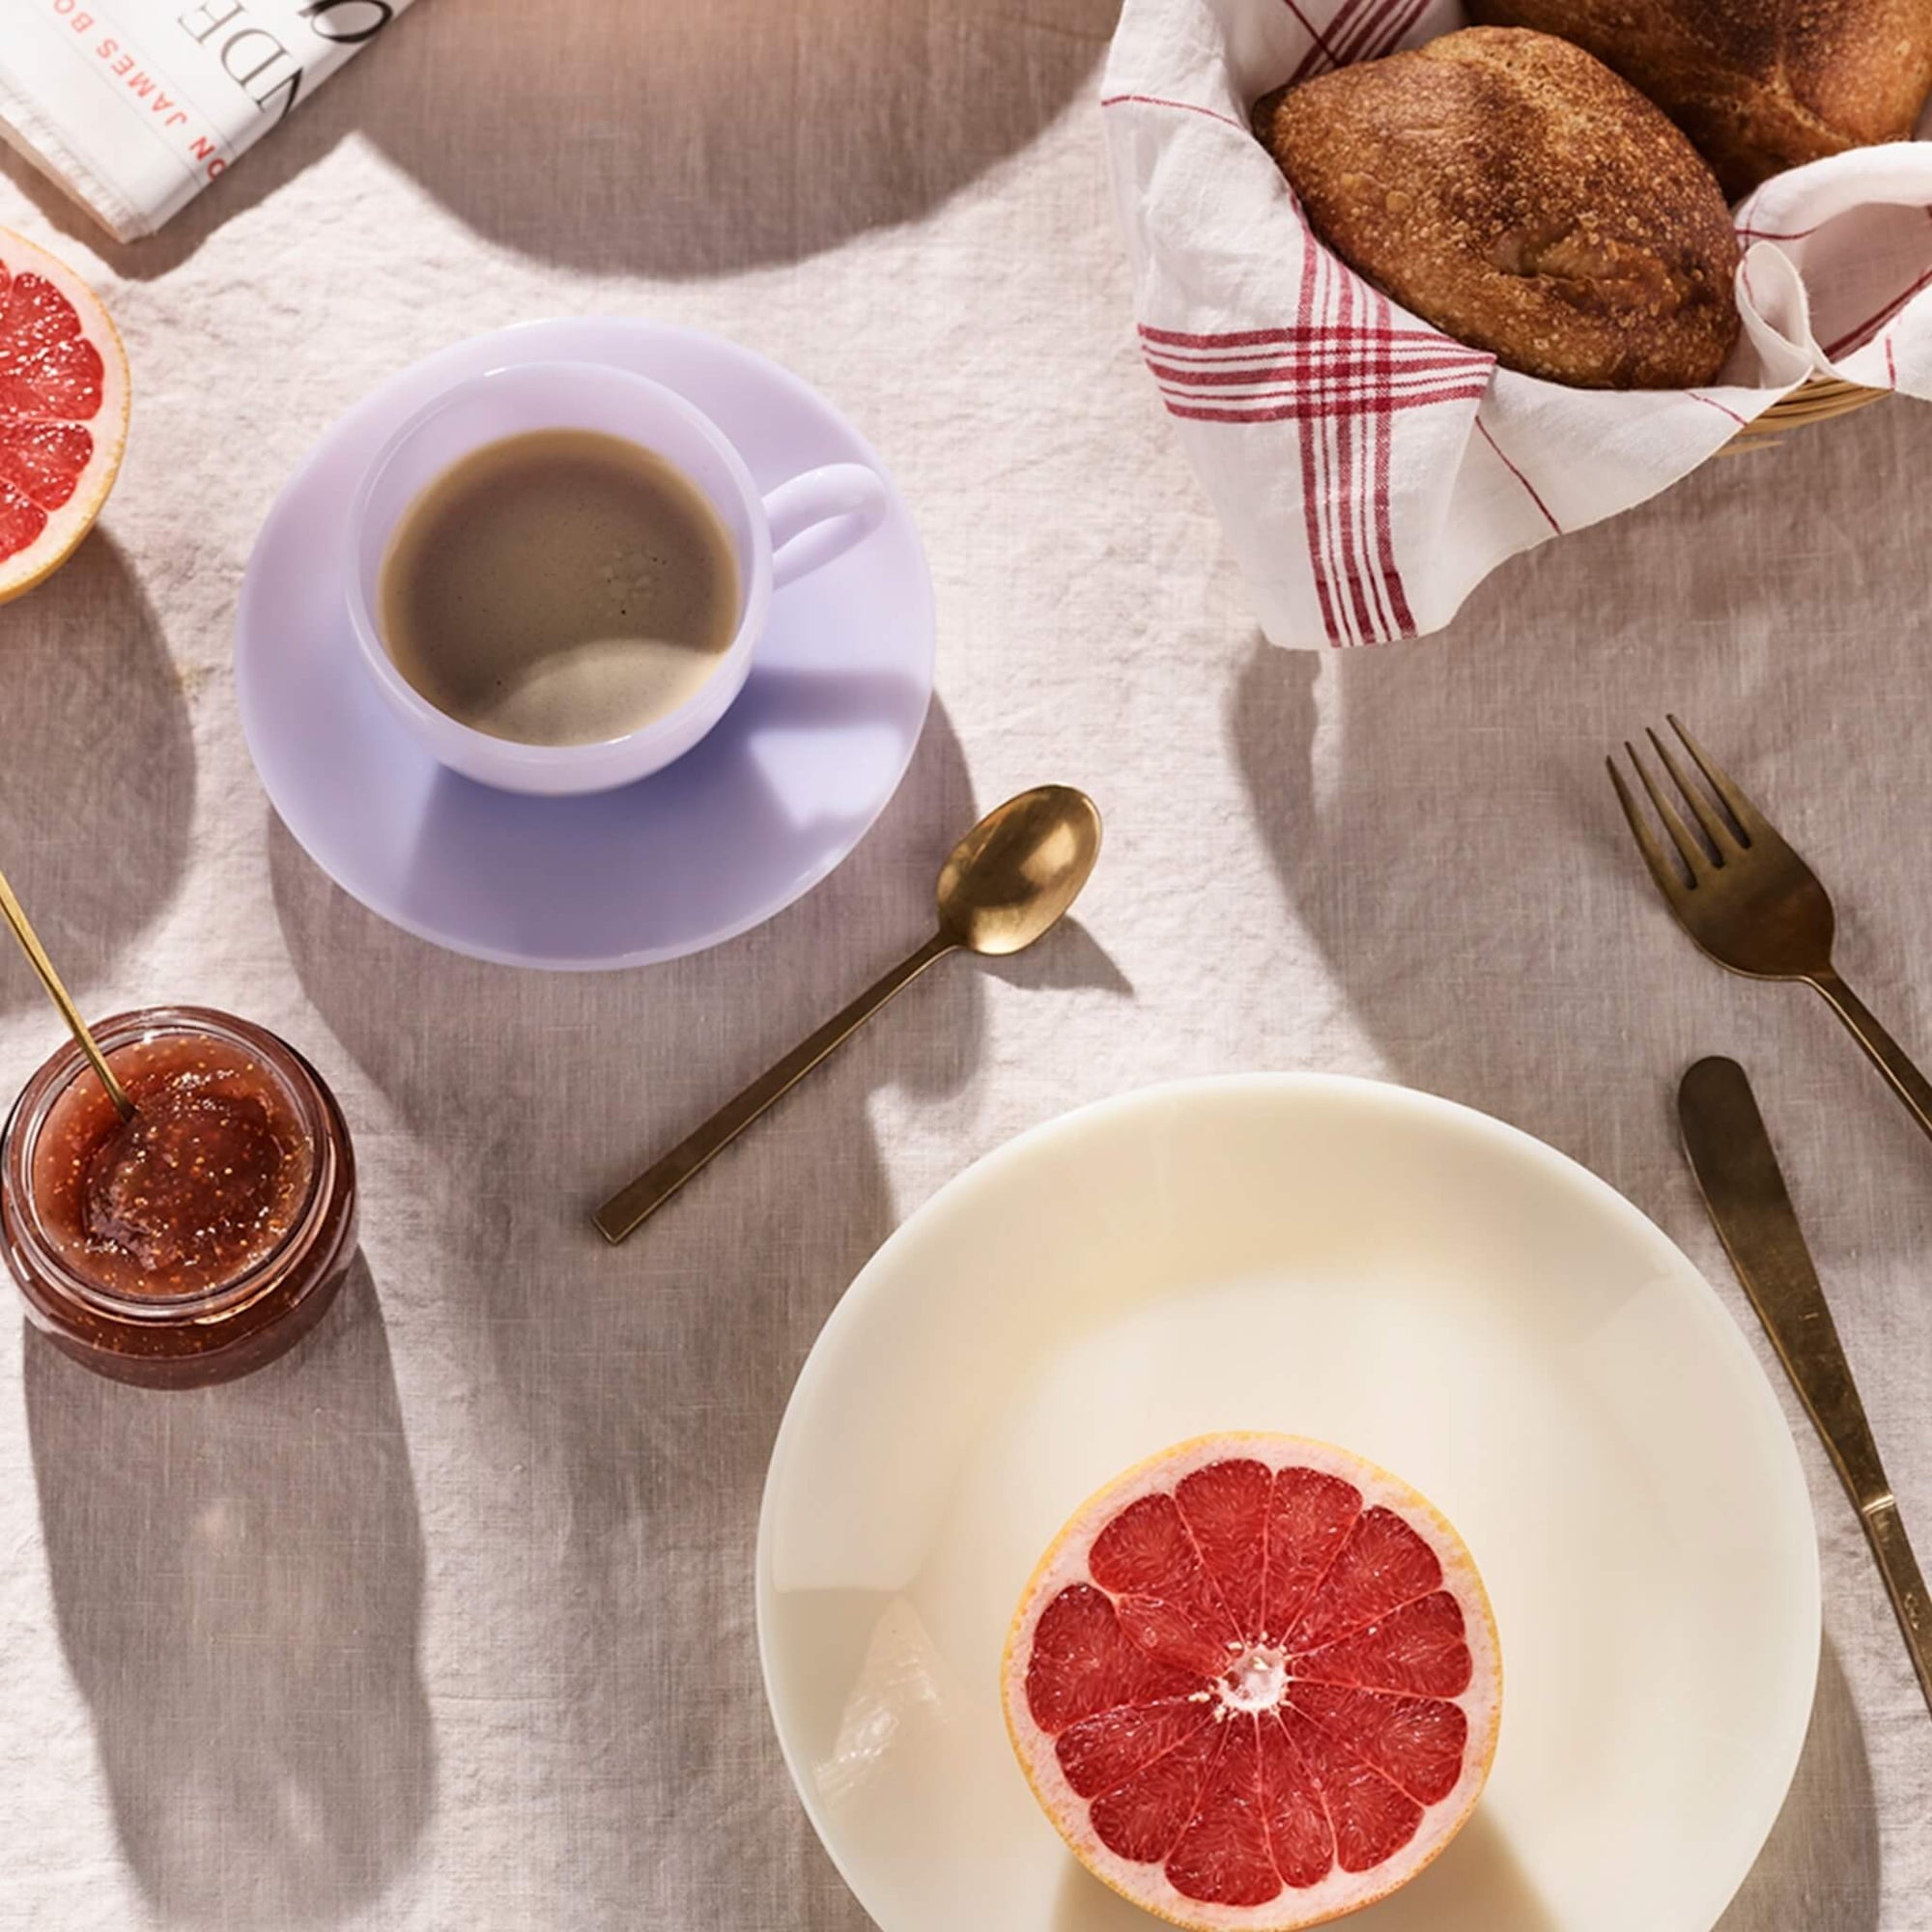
{"points": [[1744, 1187]]}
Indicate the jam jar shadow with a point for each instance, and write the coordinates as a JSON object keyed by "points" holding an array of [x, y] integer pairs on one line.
{"points": [[237, 1577], [202, 1237]]}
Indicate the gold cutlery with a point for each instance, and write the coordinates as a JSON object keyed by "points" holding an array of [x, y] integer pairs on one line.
{"points": [[16, 917], [1750, 901], [1005, 885], [1737, 1168]]}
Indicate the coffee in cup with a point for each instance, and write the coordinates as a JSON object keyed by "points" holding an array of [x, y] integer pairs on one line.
{"points": [[557, 572], [561, 586]]}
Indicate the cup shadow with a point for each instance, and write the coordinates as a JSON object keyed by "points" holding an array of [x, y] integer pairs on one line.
{"points": [[98, 789], [556, 877], [681, 141], [237, 1577]]}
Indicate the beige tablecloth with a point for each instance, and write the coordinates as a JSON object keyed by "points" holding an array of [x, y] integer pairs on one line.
{"points": [[446, 1622]]}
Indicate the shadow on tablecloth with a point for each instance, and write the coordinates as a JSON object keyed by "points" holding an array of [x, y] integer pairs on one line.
{"points": [[608, 1413], [669, 140], [96, 786], [1441, 825], [1825, 1846], [237, 1577]]}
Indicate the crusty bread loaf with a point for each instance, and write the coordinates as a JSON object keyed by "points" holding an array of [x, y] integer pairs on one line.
{"points": [[1759, 85], [1510, 189]]}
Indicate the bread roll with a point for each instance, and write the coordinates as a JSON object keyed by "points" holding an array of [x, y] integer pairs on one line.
{"points": [[1510, 189], [1759, 85]]}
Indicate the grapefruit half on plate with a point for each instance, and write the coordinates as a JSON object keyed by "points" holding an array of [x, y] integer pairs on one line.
{"points": [[63, 411], [1255, 1684]]}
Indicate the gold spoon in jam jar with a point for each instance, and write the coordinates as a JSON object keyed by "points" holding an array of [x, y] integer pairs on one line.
{"points": [[37, 957], [1005, 885]]}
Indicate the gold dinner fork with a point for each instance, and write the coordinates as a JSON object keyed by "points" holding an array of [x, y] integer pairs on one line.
{"points": [[1750, 901]]}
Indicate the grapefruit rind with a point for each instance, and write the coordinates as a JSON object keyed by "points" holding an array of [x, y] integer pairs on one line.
{"points": [[1341, 1893], [107, 426]]}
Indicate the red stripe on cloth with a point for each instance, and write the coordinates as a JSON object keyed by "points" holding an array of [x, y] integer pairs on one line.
{"points": [[1371, 426], [1318, 399], [1710, 402], [1290, 405], [1745, 232], [1241, 338], [1381, 36], [1520, 477], [1405, 620], [1745, 229], [1251, 343], [1408, 355], [1866, 330], [1334, 430], [1160, 101], [1308, 27], [1310, 498], [1371, 368], [1349, 46], [1891, 364], [1347, 490], [1322, 53]]}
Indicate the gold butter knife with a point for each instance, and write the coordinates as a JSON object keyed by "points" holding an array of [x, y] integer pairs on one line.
{"points": [[1732, 1157]]}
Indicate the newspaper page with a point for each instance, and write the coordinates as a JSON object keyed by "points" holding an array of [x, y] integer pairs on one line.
{"points": [[134, 106]]}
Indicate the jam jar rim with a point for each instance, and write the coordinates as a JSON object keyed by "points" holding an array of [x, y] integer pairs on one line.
{"points": [[27, 1119]]}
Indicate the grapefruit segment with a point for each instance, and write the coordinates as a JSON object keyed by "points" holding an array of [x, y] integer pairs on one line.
{"points": [[1255, 1684], [1420, 1648], [63, 411]]}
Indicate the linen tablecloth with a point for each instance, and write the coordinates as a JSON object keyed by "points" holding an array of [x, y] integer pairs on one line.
{"points": [[446, 1621]]}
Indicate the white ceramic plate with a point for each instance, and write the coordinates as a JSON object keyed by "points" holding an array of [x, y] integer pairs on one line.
{"points": [[1342, 1260]]}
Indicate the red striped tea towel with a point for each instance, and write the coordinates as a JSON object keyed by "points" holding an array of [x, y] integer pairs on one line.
{"points": [[1368, 470]]}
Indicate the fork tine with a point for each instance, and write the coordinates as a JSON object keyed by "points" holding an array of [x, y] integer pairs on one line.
{"points": [[1750, 821], [1716, 828], [1669, 881], [1696, 860]]}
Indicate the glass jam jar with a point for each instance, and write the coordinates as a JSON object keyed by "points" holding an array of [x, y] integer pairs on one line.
{"points": [[203, 1236]]}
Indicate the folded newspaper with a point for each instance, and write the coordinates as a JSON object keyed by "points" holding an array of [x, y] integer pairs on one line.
{"points": [[134, 106]]}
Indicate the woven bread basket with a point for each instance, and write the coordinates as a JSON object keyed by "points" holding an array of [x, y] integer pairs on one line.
{"points": [[1819, 398]]}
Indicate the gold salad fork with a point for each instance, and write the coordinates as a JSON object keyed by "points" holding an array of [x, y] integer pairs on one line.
{"points": [[1749, 901]]}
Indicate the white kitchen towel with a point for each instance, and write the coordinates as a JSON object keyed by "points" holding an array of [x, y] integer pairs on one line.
{"points": [[1368, 470]]}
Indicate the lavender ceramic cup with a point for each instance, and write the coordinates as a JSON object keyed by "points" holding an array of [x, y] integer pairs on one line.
{"points": [[776, 536]]}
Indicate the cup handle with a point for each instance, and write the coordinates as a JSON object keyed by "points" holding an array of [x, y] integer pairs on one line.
{"points": [[821, 514]]}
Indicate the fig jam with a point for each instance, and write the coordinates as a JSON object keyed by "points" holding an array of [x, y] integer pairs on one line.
{"points": [[199, 1236], [202, 1183]]}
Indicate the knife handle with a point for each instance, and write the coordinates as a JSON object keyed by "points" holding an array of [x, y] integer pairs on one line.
{"points": [[1737, 1169], [1906, 1587]]}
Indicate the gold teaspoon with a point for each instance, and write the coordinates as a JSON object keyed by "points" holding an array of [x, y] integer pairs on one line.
{"points": [[1002, 887], [38, 959]]}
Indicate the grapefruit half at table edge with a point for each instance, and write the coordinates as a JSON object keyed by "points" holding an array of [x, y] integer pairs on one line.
{"points": [[64, 393]]}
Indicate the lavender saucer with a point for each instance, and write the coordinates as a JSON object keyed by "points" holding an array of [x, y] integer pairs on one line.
{"points": [[775, 797]]}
